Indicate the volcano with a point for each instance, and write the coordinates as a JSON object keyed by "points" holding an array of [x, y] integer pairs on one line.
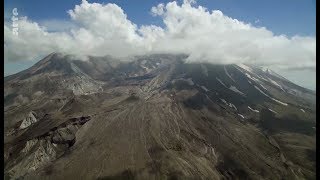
{"points": [[156, 117]]}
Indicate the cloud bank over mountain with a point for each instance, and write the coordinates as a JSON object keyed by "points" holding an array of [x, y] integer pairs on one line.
{"points": [[105, 29]]}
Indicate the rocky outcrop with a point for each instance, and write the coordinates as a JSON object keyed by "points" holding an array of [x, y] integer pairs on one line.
{"points": [[30, 119], [39, 151], [43, 153], [65, 135]]}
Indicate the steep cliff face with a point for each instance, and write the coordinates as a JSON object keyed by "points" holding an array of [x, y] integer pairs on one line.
{"points": [[156, 117]]}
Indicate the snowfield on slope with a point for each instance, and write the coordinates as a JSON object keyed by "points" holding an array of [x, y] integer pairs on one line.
{"points": [[280, 102], [254, 110]]}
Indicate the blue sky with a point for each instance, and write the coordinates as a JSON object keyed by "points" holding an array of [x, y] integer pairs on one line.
{"points": [[287, 17]]}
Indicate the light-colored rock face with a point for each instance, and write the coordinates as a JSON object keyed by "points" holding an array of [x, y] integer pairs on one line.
{"points": [[30, 119], [82, 84], [29, 145], [39, 152], [43, 154], [159, 80]]}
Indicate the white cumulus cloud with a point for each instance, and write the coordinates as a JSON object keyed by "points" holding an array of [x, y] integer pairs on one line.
{"points": [[211, 36]]}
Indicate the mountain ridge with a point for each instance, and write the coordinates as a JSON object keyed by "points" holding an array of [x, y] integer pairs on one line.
{"points": [[89, 58]]}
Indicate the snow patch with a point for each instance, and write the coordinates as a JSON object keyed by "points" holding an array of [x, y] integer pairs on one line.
{"points": [[232, 105], [251, 77], [224, 101], [241, 116], [229, 104], [303, 111], [225, 70], [272, 111], [280, 102], [261, 91], [263, 87], [276, 84], [221, 82], [254, 110], [245, 67], [233, 88], [204, 88], [262, 78], [268, 71]]}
